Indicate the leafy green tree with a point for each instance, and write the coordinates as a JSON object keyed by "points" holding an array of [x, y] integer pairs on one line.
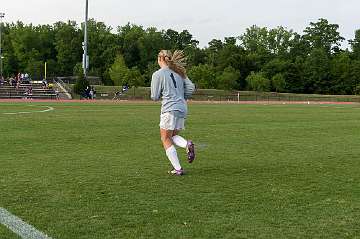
{"points": [[35, 69], [10, 62], [317, 72], [323, 35], [195, 56], [341, 82], [102, 48], [258, 82], [279, 41], [78, 69], [186, 39], [295, 76], [30, 45], [215, 46], [278, 82], [255, 39], [355, 76], [68, 39], [299, 47], [229, 55], [151, 68], [228, 79], [203, 76], [149, 46], [119, 71], [275, 66], [179, 41], [34, 66], [309, 63], [355, 45], [134, 78], [51, 66], [130, 49]]}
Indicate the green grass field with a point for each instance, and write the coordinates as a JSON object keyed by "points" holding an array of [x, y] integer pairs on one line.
{"points": [[263, 171]]}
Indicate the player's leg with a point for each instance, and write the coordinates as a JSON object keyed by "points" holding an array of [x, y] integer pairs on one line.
{"points": [[178, 140], [183, 143], [167, 126]]}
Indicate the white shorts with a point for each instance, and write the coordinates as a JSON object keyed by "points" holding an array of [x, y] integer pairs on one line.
{"points": [[169, 121]]}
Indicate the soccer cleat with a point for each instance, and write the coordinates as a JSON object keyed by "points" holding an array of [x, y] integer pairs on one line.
{"points": [[176, 172], [190, 150]]}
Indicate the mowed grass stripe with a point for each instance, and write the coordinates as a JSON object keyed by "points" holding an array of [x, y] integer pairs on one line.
{"points": [[98, 171], [6, 233]]}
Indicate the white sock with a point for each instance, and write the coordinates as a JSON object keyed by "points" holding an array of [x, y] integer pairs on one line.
{"points": [[172, 156], [179, 141]]}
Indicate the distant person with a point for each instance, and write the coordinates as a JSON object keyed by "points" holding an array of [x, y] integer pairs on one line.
{"points": [[91, 94], [172, 85], [44, 84], [28, 92], [125, 88], [87, 92], [12, 81]]}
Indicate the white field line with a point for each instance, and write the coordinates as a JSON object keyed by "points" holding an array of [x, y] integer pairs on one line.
{"points": [[20, 227], [30, 112]]}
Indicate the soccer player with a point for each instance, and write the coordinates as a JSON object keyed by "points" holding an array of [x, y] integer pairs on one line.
{"points": [[171, 84]]}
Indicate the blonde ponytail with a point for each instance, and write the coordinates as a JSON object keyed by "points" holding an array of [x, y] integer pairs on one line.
{"points": [[176, 61]]}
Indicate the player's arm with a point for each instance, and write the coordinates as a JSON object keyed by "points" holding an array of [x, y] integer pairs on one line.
{"points": [[189, 88], [155, 87]]}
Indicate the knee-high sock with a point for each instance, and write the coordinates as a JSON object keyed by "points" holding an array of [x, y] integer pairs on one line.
{"points": [[179, 141], [173, 158]]}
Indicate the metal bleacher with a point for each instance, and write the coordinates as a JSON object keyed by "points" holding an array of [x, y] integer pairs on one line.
{"points": [[21, 92]]}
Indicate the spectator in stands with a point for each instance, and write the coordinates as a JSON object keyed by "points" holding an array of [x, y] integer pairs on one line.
{"points": [[18, 76], [28, 92], [2, 80], [18, 84], [12, 81], [44, 83], [26, 79]]}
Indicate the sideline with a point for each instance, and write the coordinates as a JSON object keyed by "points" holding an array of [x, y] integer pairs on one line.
{"points": [[20, 227], [30, 112]]}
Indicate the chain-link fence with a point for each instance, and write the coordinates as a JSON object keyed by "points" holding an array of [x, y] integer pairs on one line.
{"points": [[144, 94]]}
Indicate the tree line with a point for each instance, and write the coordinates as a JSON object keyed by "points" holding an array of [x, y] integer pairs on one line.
{"points": [[261, 59]]}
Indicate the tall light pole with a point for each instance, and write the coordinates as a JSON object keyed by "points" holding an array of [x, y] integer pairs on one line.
{"points": [[1, 56], [85, 43]]}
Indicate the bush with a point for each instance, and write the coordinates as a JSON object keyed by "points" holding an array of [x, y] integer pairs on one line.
{"points": [[258, 82]]}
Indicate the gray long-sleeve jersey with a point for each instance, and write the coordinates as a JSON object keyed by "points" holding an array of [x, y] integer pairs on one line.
{"points": [[173, 89]]}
